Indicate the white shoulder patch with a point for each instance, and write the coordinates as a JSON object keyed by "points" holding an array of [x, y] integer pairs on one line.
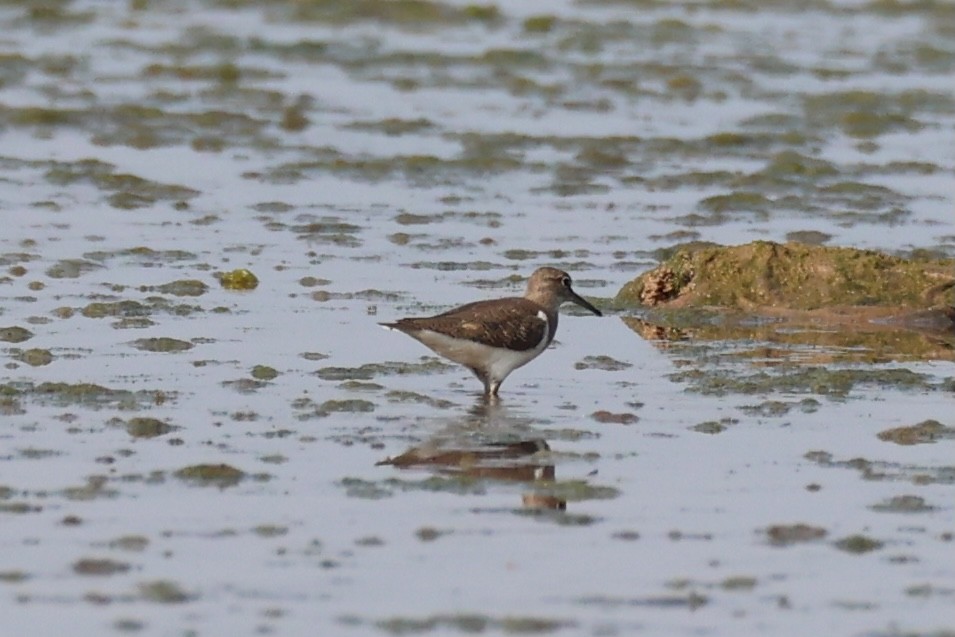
{"points": [[541, 315]]}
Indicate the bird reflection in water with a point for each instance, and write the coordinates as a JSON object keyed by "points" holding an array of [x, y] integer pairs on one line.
{"points": [[510, 460]]}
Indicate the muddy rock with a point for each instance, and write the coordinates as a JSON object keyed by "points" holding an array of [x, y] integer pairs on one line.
{"points": [[793, 276], [799, 282]]}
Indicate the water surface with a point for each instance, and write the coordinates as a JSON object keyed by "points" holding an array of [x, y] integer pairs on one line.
{"points": [[188, 459]]}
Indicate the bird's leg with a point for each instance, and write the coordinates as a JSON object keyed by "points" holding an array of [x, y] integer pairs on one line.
{"points": [[492, 389], [484, 379]]}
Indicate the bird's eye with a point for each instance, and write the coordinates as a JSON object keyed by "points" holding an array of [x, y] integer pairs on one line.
{"points": [[565, 281]]}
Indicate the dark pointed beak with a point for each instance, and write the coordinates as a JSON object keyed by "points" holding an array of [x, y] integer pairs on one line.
{"points": [[582, 302]]}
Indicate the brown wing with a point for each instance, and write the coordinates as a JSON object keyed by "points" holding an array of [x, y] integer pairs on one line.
{"points": [[512, 323]]}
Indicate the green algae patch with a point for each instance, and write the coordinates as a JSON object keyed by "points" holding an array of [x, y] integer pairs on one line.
{"points": [[264, 372], [610, 418], [19, 508], [217, 475], [270, 530], [144, 427], [240, 279], [712, 427], [294, 118], [927, 431], [43, 117], [417, 170], [904, 504], [15, 334], [739, 583], [835, 383], [605, 363], [85, 394], [99, 566], [858, 544], [13, 577], [184, 287], [865, 114], [244, 385], [130, 309], [808, 237], [353, 405], [35, 357], [162, 344], [738, 201], [367, 371], [394, 127], [690, 601], [764, 275], [409, 14], [164, 592], [539, 24], [125, 309], [132, 543], [472, 624], [128, 191], [789, 534], [142, 255], [768, 408], [226, 73], [397, 396]]}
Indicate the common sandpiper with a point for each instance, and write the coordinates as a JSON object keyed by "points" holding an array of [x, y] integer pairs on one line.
{"points": [[493, 338]]}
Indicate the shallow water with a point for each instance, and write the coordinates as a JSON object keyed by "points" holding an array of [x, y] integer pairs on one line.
{"points": [[228, 478]]}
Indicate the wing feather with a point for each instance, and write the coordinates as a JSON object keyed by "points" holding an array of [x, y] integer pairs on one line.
{"points": [[515, 323]]}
